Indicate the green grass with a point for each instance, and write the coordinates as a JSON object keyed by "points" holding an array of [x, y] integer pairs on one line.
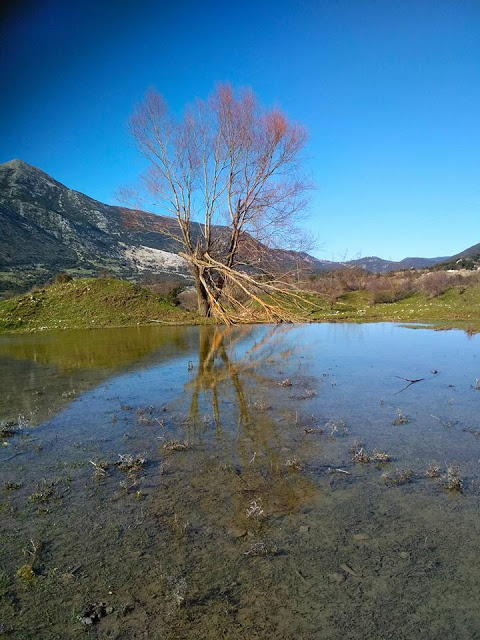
{"points": [[88, 302], [455, 308], [103, 302]]}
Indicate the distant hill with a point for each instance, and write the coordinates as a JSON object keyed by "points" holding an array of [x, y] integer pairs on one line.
{"points": [[468, 253], [378, 265], [467, 259], [47, 227]]}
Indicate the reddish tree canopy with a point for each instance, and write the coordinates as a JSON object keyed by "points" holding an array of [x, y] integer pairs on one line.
{"points": [[227, 161]]}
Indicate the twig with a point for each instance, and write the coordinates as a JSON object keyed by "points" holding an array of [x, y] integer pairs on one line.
{"points": [[410, 382], [14, 456]]}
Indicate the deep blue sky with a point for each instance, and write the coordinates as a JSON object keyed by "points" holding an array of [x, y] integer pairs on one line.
{"points": [[389, 91]]}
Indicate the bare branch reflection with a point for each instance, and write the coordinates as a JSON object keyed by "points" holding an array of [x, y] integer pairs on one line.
{"points": [[253, 431]]}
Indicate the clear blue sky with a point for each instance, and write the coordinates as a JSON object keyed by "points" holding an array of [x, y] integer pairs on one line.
{"points": [[389, 91]]}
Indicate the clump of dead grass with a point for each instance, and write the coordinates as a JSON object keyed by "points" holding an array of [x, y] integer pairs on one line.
{"points": [[361, 455], [453, 482], [293, 463], [398, 477], [175, 445], [130, 464], [401, 418], [433, 470]]}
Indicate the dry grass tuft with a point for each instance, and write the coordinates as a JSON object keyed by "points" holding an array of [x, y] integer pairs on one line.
{"points": [[174, 445], [433, 470], [130, 464], [398, 477], [453, 481], [293, 463], [401, 418]]}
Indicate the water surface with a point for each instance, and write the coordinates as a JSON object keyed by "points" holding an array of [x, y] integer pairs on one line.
{"points": [[249, 518]]}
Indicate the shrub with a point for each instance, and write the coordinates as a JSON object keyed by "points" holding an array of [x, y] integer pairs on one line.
{"points": [[329, 285], [390, 288], [62, 278], [435, 283]]}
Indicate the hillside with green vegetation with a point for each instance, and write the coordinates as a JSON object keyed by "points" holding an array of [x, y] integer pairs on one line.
{"points": [[452, 309], [107, 302], [89, 302]]}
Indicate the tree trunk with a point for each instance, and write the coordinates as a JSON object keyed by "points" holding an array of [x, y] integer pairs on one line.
{"points": [[203, 302]]}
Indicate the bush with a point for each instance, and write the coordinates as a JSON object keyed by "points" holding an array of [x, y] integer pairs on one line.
{"points": [[329, 285], [435, 283], [390, 288], [62, 278], [187, 300]]}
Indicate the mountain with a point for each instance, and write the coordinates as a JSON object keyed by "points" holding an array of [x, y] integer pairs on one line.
{"points": [[47, 228], [378, 265], [471, 252], [467, 259]]}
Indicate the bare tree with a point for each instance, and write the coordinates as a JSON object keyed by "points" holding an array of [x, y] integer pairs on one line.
{"points": [[228, 162]]}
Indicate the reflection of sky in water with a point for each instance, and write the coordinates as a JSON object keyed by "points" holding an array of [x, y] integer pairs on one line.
{"points": [[352, 368], [362, 387]]}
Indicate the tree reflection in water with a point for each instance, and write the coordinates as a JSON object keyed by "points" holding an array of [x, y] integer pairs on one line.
{"points": [[254, 425]]}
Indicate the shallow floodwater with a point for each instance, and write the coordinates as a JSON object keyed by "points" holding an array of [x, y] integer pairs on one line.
{"points": [[254, 503]]}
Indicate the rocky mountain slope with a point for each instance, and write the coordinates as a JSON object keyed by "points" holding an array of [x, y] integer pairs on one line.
{"points": [[47, 228]]}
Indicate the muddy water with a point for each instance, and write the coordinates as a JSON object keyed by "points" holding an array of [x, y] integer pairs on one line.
{"points": [[242, 513]]}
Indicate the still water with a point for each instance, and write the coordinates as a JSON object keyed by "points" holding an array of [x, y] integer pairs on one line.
{"points": [[201, 482]]}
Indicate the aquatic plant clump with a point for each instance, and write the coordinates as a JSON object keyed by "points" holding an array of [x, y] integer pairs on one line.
{"points": [[453, 481], [176, 590], [130, 464], [380, 456], [293, 463], [360, 455], [46, 491], [433, 470], [401, 418], [174, 445], [474, 432], [313, 430], [337, 428], [255, 510], [398, 476], [99, 469]]}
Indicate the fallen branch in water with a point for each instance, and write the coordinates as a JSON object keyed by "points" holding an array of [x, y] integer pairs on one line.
{"points": [[20, 453], [410, 382]]}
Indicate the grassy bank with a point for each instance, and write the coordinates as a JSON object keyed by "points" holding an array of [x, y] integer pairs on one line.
{"points": [[455, 308], [89, 303]]}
